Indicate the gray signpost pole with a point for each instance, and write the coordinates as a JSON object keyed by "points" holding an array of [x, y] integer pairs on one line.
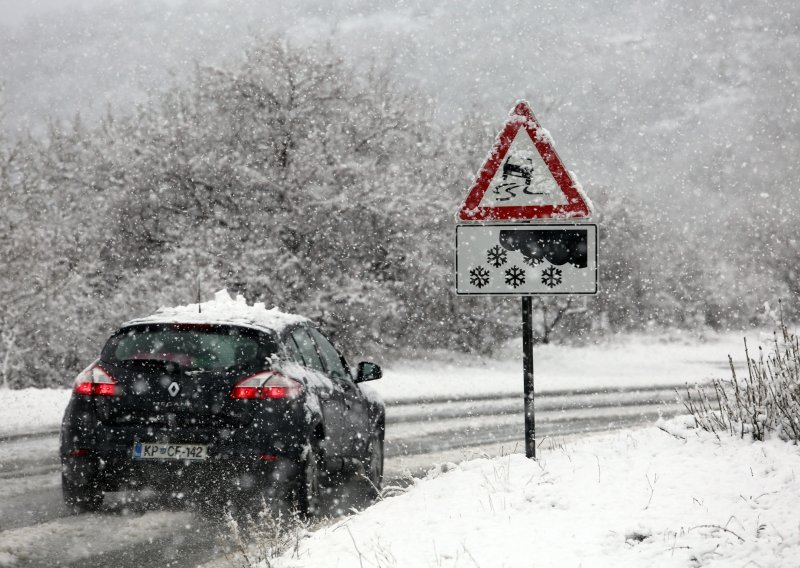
{"points": [[527, 369]]}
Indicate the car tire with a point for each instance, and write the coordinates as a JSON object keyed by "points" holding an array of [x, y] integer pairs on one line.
{"points": [[308, 489], [81, 498], [373, 465]]}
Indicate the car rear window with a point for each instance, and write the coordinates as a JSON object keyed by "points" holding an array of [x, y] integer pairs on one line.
{"points": [[191, 346]]}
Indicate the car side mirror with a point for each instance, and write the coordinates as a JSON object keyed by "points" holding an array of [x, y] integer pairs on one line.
{"points": [[368, 372]]}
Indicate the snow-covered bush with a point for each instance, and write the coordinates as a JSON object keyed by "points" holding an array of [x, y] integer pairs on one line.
{"points": [[763, 403], [292, 177]]}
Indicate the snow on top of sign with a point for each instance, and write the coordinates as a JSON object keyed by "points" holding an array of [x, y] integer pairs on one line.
{"points": [[543, 135], [224, 309], [579, 188]]}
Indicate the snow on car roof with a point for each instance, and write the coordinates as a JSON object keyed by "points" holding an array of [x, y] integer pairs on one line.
{"points": [[223, 309]]}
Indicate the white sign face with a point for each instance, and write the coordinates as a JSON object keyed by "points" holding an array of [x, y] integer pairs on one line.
{"points": [[523, 179], [525, 260]]}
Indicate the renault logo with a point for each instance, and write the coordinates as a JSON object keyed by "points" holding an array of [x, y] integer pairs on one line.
{"points": [[173, 388]]}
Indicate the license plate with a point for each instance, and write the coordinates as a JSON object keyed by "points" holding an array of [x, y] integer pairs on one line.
{"points": [[143, 451]]}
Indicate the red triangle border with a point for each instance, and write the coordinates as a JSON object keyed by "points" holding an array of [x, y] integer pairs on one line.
{"points": [[576, 207]]}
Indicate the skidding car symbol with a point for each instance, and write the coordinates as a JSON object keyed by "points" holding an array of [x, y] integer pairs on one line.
{"points": [[518, 168], [257, 403]]}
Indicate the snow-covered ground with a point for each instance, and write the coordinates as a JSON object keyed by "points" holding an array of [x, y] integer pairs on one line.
{"points": [[31, 410], [623, 361], [669, 496]]}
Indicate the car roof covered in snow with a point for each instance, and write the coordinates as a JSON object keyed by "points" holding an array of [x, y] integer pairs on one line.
{"points": [[223, 310]]}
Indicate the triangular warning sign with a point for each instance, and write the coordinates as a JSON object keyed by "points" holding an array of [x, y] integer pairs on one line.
{"points": [[523, 178]]}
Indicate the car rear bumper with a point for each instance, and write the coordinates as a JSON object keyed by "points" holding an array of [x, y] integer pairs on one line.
{"points": [[241, 458], [226, 473]]}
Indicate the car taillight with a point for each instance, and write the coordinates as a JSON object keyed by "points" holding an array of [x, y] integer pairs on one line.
{"points": [[95, 381], [267, 385]]}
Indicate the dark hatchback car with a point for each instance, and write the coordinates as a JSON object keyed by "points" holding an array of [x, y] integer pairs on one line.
{"points": [[220, 396]]}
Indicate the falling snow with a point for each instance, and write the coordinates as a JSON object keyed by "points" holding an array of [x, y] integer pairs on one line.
{"points": [[154, 153]]}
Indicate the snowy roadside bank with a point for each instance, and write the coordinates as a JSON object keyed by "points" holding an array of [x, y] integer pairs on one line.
{"points": [[31, 411], [652, 497], [626, 361]]}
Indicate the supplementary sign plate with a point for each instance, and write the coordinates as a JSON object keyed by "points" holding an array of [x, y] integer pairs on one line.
{"points": [[524, 260]]}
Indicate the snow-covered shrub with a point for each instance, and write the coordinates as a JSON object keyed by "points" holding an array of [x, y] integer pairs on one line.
{"points": [[764, 402], [291, 176]]}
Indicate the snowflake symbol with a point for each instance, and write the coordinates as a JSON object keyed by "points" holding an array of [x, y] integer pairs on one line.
{"points": [[496, 256], [515, 277], [551, 276], [479, 276], [532, 261]]}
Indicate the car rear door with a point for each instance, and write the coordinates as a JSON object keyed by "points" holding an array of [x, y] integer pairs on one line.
{"points": [[329, 394], [356, 415]]}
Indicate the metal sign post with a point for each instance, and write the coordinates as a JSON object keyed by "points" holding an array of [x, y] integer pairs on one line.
{"points": [[527, 372], [522, 231]]}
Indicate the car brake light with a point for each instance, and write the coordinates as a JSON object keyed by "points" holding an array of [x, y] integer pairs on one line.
{"points": [[267, 385], [95, 381]]}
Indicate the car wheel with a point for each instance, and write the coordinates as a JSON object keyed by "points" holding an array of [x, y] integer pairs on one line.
{"points": [[373, 466], [309, 487], [81, 498]]}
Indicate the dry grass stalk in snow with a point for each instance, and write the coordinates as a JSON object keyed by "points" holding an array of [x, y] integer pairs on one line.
{"points": [[259, 541], [766, 401]]}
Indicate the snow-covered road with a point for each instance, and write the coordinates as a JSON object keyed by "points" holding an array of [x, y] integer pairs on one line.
{"points": [[35, 528]]}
